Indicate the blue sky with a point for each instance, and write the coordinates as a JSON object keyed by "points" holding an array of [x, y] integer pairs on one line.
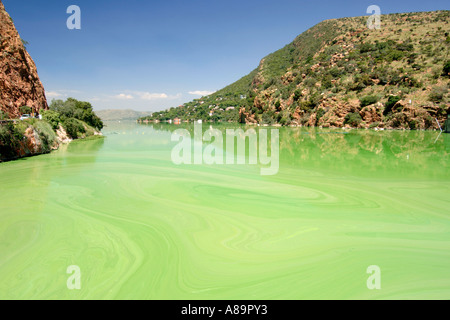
{"points": [[151, 55]]}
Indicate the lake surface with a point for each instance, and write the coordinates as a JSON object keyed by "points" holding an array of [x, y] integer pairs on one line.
{"points": [[140, 227]]}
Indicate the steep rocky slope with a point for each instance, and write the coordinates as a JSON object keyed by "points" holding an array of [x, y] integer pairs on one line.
{"points": [[19, 81]]}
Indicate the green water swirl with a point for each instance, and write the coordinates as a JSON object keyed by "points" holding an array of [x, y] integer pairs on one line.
{"points": [[140, 227]]}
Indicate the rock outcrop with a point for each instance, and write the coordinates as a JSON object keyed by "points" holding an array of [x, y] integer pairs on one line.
{"points": [[19, 81]]}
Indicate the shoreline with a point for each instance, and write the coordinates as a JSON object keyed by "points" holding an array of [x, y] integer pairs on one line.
{"points": [[98, 136], [376, 129], [36, 142]]}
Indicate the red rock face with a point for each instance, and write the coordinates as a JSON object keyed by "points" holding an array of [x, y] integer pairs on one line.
{"points": [[19, 81]]}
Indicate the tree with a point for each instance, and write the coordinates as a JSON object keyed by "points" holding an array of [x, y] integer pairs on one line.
{"points": [[438, 93], [52, 117], [74, 127], [80, 110], [278, 105], [353, 119], [25, 110], [392, 101], [297, 94], [368, 100], [446, 71]]}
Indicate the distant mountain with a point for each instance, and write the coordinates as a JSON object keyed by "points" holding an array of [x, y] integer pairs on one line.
{"points": [[116, 115], [341, 73]]}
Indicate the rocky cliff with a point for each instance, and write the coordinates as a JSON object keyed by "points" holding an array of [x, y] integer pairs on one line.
{"points": [[19, 80]]}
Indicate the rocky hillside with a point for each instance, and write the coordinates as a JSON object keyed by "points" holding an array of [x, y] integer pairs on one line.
{"points": [[342, 74], [19, 81]]}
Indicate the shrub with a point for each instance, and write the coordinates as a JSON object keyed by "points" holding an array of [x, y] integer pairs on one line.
{"points": [[285, 120], [429, 121], [285, 94], [367, 47], [374, 125], [413, 124], [353, 119], [437, 93], [335, 72], [21, 127], [446, 71], [350, 68], [326, 82], [279, 116], [10, 138], [357, 86], [412, 58], [267, 118], [314, 100], [74, 127], [52, 117], [25, 110], [411, 82], [396, 55], [270, 83], [278, 105], [80, 110], [382, 75], [368, 100], [3, 115], [297, 95], [406, 46], [395, 80], [310, 82], [320, 113], [392, 101], [46, 133]]}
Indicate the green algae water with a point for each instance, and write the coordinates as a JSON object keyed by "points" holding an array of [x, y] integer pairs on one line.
{"points": [[140, 227]]}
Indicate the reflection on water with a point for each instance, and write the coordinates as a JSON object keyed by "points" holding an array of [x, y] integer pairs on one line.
{"points": [[36, 173], [80, 152], [357, 152]]}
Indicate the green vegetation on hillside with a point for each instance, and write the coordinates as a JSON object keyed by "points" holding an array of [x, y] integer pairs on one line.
{"points": [[14, 138], [68, 112], [340, 73], [34, 136], [10, 139]]}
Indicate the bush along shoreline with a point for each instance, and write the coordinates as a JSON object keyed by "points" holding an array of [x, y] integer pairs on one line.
{"points": [[64, 122]]}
